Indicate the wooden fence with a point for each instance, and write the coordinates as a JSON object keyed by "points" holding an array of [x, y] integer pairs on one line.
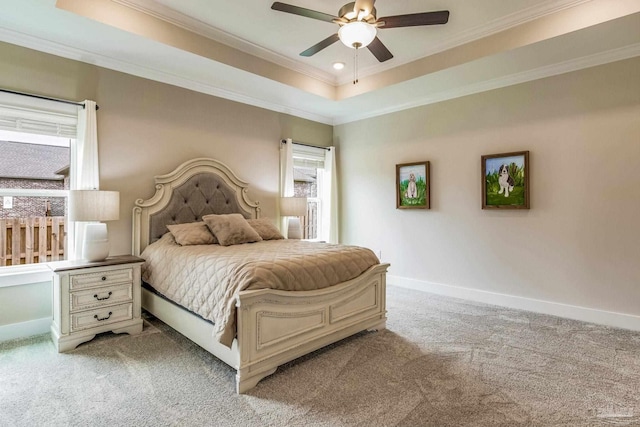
{"points": [[31, 240]]}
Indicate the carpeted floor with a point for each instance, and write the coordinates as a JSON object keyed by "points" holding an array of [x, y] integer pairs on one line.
{"points": [[441, 362]]}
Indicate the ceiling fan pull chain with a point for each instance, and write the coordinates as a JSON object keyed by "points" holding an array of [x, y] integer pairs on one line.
{"points": [[355, 66]]}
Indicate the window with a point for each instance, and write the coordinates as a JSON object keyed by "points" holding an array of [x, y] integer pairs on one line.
{"points": [[308, 181], [305, 184], [310, 171], [34, 182], [36, 139]]}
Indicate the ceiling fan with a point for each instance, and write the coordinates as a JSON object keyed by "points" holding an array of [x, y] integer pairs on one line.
{"points": [[359, 25]]}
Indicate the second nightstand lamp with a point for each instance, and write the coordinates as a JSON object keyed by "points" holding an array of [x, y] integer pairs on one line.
{"points": [[94, 205], [294, 208]]}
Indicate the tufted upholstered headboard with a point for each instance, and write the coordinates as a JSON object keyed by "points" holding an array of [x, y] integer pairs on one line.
{"points": [[197, 187]]}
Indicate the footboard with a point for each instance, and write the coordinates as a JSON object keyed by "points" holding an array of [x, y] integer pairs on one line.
{"points": [[275, 327]]}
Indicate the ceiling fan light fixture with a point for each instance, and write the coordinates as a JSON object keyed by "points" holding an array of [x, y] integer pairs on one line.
{"points": [[357, 34]]}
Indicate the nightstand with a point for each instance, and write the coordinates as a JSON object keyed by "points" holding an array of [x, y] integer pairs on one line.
{"points": [[94, 297]]}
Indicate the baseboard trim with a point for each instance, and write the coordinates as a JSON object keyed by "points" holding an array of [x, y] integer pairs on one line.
{"points": [[25, 329], [592, 315]]}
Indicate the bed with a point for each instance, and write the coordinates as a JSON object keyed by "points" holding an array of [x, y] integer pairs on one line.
{"points": [[271, 326]]}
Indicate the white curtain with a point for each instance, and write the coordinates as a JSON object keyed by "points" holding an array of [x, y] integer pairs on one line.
{"points": [[286, 176], [85, 153], [330, 198], [84, 158]]}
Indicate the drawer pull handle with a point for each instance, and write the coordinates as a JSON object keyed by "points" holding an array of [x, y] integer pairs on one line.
{"points": [[103, 298], [103, 318], [104, 278]]}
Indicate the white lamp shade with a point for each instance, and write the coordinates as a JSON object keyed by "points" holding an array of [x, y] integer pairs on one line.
{"points": [[94, 205], [293, 206], [357, 34]]}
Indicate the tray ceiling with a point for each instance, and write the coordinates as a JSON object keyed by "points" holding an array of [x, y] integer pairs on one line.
{"points": [[247, 52]]}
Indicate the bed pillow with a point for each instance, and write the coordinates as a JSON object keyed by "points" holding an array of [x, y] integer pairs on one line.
{"points": [[193, 233], [231, 229], [265, 229]]}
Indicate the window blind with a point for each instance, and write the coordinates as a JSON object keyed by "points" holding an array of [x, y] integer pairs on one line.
{"points": [[308, 157], [38, 116]]}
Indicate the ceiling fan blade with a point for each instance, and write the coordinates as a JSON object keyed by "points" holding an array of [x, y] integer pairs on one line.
{"points": [[379, 50], [283, 7], [415, 19], [319, 46]]}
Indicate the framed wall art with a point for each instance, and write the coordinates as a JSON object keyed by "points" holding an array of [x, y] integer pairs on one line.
{"points": [[412, 186], [505, 181]]}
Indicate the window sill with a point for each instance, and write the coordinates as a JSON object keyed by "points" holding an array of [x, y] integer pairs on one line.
{"points": [[24, 275]]}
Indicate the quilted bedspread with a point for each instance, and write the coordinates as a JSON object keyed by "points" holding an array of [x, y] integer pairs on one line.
{"points": [[207, 278]]}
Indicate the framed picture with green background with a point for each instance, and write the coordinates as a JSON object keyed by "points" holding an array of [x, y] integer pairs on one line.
{"points": [[412, 185], [505, 181]]}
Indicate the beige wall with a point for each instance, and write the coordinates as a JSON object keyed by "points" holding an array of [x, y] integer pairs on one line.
{"points": [[577, 245], [147, 128]]}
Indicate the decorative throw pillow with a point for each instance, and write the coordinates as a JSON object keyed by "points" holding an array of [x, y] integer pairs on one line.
{"points": [[231, 229], [193, 233], [265, 229]]}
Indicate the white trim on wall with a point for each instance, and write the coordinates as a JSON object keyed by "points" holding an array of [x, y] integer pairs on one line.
{"points": [[27, 192], [25, 274], [155, 74], [320, 115], [563, 67], [585, 314], [25, 329]]}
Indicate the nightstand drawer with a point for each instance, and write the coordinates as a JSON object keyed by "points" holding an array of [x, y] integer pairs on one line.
{"points": [[83, 281], [98, 297], [102, 316]]}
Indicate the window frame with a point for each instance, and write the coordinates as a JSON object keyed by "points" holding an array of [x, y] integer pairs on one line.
{"points": [[62, 122], [29, 192], [308, 158]]}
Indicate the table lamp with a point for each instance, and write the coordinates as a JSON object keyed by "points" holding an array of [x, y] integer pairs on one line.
{"points": [[293, 207], [94, 205]]}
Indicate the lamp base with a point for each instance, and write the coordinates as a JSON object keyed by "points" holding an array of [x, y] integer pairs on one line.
{"points": [[294, 230], [95, 246]]}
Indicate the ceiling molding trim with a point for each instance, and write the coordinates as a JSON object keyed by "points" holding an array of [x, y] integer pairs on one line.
{"points": [[167, 14], [571, 65], [504, 23], [46, 46], [205, 30]]}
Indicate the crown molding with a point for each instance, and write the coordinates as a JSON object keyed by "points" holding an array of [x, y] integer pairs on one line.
{"points": [[167, 14], [536, 11], [46, 46], [571, 65], [544, 8], [198, 27]]}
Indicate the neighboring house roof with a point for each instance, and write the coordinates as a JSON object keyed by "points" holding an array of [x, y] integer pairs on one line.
{"points": [[32, 161]]}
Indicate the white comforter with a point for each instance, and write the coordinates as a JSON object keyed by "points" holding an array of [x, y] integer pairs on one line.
{"points": [[207, 278]]}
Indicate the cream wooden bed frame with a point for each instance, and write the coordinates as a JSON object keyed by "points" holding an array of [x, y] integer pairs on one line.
{"points": [[274, 327]]}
